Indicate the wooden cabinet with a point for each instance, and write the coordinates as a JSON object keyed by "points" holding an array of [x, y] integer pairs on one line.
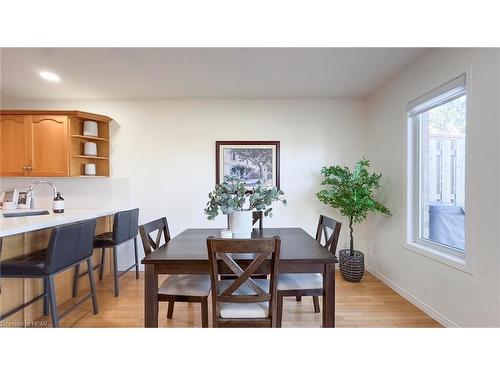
{"points": [[50, 156], [50, 143], [13, 145]]}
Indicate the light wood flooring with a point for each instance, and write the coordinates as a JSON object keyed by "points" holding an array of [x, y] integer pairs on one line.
{"points": [[369, 303]]}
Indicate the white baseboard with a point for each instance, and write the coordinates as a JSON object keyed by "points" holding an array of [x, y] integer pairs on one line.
{"points": [[412, 299]]}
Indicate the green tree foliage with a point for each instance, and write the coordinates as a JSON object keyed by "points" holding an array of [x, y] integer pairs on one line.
{"points": [[232, 195], [352, 192]]}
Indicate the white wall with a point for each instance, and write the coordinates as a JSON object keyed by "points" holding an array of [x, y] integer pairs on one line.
{"points": [[166, 149], [450, 295]]}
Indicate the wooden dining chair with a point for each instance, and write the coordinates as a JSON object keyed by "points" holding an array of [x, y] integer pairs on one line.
{"points": [[176, 288], [309, 284], [244, 301]]}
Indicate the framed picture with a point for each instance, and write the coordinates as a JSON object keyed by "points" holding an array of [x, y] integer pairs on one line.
{"points": [[250, 161]]}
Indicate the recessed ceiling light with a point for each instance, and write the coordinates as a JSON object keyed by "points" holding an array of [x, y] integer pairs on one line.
{"points": [[49, 76]]}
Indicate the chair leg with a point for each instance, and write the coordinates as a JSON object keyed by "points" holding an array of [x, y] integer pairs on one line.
{"points": [[204, 312], [76, 280], [170, 311], [136, 259], [52, 302], [298, 298], [115, 271], [101, 268], [95, 307], [46, 297], [279, 311], [316, 304]]}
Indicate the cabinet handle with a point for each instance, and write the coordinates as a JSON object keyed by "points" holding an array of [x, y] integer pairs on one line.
{"points": [[25, 168], [30, 168]]}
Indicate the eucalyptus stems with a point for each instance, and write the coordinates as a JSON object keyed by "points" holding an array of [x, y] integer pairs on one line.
{"points": [[232, 195]]}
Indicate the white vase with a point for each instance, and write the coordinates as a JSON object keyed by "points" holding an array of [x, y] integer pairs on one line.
{"points": [[240, 223]]}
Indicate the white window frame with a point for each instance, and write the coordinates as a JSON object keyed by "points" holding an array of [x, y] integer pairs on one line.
{"points": [[447, 92]]}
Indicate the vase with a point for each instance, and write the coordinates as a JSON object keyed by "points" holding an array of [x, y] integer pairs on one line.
{"points": [[240, 223]]}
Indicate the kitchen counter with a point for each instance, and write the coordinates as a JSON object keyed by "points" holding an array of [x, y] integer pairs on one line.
{"points": [[16, 225]]}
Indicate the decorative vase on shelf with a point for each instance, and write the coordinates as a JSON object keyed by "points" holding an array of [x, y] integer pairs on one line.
{"points": [[240, 223]]}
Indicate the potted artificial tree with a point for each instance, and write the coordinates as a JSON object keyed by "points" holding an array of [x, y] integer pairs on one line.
{"points": [[232, 198], [351, 192]]}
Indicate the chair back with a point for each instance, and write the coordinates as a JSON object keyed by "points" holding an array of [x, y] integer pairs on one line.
{"points": [[69, 244], [257, 216], [329, 231], [161, 227], [257, 251], [125, 225]]}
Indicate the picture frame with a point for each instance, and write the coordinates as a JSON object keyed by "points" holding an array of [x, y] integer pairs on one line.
{"points": [[251, 161]]}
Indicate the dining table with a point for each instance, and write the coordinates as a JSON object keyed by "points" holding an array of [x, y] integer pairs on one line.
{"points": [[187, 254]]}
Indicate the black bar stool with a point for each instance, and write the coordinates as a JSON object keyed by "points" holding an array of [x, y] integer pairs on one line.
{"points": [[69, 245], [125, 228]]}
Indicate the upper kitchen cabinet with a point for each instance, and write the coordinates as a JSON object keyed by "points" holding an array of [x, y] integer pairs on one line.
{"points": [[52, 144], [13, 144]]}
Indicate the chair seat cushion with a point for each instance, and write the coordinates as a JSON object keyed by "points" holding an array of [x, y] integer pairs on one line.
{"points": [[244, 310], [300, 281], [30, 265], [186, 285], [104, 240]]}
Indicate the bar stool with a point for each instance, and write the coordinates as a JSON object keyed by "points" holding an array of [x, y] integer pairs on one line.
{"points": [[69, 245], [125, 228]]}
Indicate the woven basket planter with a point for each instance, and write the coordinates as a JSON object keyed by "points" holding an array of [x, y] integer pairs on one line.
{"points": [[352, 267]]}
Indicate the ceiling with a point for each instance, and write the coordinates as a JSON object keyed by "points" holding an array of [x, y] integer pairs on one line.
{"points": [[199, 73]]}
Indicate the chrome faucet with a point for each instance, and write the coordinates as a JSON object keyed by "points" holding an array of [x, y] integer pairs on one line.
{"points": [[35, 184]]}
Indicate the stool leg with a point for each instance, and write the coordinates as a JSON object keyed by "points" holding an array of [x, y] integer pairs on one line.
{"points": [[52, 302], [76, 280], [170, 311], [95, 307], [115, 271], [204, 312], [136, 259], [316, 304], [46, 297], [298, 298], [101, 268]]}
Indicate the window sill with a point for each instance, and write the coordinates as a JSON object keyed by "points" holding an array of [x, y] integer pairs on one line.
{"points": [[440, 256]]}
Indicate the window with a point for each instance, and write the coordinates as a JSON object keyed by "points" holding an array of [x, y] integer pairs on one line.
{"points": [[437, 129]]}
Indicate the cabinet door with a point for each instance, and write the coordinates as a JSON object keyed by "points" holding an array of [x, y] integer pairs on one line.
{"points": [[50, 142], [13, 145]]}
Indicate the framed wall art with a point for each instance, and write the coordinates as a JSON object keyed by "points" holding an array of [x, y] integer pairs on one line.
{"points": [[250, 161]]}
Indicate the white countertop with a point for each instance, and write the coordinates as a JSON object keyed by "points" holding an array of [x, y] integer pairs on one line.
{"points": [[15, 225]]}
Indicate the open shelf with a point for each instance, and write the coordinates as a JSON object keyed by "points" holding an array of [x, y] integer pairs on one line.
{"points": [[79, 159], [89, 138], [90, 157]]}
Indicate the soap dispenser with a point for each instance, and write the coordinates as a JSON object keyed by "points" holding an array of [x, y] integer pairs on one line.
{"points": [[58, 206]]}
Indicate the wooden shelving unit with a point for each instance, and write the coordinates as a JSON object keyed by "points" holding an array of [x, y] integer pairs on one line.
{"points": [[78, 159], [50, 143]]}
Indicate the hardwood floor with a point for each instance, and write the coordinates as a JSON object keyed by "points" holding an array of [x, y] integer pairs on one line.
{"points": [[369, 303]]}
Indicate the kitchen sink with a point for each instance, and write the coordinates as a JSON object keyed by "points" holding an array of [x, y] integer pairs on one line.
{"points": [[28, 213]]}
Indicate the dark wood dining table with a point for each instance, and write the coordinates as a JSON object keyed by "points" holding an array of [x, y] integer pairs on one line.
{"points": [[187, 254]]}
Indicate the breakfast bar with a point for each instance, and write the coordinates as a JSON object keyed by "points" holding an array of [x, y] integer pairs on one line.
{"points": [[29, 231]]}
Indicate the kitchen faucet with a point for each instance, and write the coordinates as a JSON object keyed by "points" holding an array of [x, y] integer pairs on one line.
{"points": [[35, 184]]}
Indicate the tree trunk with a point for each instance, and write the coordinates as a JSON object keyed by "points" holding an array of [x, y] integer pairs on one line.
{"points": [[261, 171], [351, 248]]}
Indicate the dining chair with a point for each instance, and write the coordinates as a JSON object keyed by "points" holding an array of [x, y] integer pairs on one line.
{"points": [[244, 301], [176, 288], [309, 284]]}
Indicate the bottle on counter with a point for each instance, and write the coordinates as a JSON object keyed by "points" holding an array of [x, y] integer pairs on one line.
{"points": [[58, 206]]}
